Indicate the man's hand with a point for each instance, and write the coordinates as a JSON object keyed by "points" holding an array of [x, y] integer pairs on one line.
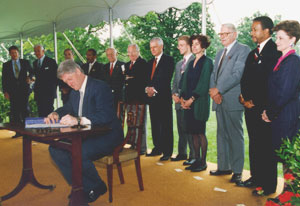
{"points": [[185, 104], [52, 118], [249, 104], [217, 98], [265, 117], [69, 120], [213, 92], [150, 91], [176, 98], [6, 95]]}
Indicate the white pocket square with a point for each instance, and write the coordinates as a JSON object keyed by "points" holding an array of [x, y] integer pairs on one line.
{"points": [[46, 68]]}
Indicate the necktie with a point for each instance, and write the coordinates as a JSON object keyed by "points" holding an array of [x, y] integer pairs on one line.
{"points": [[17, 70], [90, 67], [153, 67], [256, 53], [39, 63], [221, 62], [130, 67], [80, 104], [111, 69], [182, 66]]}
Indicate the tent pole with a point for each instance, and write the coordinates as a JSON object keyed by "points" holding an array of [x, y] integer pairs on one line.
{"points": [[7, 52], [56, 59], [76, 51], [203, 17], [111, 27], [21, 45]]}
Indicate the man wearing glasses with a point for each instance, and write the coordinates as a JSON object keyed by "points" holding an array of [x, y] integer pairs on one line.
{"points": [[225, 90]]}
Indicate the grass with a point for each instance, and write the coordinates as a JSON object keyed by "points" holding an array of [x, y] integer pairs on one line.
{"points": [[211, 130]]}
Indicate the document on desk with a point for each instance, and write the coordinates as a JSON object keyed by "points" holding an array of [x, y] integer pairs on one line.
{"points": [[38, 122]]}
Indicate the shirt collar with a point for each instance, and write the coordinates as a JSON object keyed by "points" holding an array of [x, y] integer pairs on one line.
{"points": [[261, 45], [187, 57], [42, 59], [158, 58], [229, 47], [93, 62]]}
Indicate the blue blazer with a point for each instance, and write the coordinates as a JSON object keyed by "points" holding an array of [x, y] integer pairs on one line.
{"points": [[98, 108], [284, 108]]}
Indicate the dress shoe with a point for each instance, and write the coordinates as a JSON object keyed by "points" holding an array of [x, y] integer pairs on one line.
{"points": [[153, 153], [200, 168], [194, 165], [179, 157], [190, 161], [236, 177], [94, 194], [220, 172], [248, 183], [164, 158], [16, 135]]}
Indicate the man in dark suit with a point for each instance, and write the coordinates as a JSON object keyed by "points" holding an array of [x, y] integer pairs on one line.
{"points": [[185, 138], [93, 68], [15, 85], [115, 72], [90, 103], [259, 64], [44, 69], [135, 83], [160, 72]]}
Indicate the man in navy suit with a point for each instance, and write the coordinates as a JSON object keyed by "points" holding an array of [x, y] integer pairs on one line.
{"points": [[92, 67], [90, 103], [15, 85], [160, 72], [46, 81]]}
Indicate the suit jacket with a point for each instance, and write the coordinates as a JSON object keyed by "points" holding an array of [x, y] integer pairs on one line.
{"points": [[45, 78], [135, 86], [161, 80], [11, 84], [202, 102], [97, 71], [116, 80], [254, 82], [228, 80], [177, 77], [97, 107]]}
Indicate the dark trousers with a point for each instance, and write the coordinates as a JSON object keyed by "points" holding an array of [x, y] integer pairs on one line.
{"points": [[44, 105], [92, 149], [184, 138], [18, 108], [263, 167], [162, 127]]}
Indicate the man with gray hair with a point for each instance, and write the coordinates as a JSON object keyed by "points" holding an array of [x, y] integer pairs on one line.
{"points": [[135, 83], [158, 89], [90, 102], [225, 90], [44, 69]]}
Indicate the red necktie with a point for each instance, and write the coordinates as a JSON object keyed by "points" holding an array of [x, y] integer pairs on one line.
{"points": [[153, 68], [111, 69], [256, 53], [130, 67]]}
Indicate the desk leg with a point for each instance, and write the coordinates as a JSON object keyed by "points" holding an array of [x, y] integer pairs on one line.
{"points": [[77, 187], [27, 174]]}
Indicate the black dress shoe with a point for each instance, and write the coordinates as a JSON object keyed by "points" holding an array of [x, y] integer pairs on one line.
{"points": [[236, 177], [220, 172], [94, 194], [164, 158], [200, 168], [179, 157], [248, 183], [153, 153], [194, 165], [16, 135], [189, 161]]}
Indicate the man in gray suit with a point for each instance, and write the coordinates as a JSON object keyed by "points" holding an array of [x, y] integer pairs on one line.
{"points": [[224, 90], [184, 48]]}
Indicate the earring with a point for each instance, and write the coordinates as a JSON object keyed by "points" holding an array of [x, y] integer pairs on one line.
{"points": [[292, 45]]}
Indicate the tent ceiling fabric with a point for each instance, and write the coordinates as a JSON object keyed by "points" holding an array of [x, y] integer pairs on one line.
{"points": [[35, 17]]}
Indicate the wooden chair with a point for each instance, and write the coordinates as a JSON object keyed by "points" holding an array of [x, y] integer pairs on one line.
{"points": [[130, 147]]}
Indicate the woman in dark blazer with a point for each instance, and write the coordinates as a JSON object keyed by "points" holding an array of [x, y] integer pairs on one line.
{"points": [[283, 86], [195, 99]]}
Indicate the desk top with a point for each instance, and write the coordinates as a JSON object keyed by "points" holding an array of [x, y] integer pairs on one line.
{"points": [[50, 133]]}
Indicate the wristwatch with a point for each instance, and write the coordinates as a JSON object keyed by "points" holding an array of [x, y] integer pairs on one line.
{"points": [[78, 120]]}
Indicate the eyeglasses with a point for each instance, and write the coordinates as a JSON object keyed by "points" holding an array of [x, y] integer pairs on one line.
{"points": [[224, 34]]}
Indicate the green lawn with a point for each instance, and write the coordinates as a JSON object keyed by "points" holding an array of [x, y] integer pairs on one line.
{"points": [[211, 130]]}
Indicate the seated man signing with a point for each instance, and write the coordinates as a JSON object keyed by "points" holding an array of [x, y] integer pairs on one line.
{"points": [[90, 102]]}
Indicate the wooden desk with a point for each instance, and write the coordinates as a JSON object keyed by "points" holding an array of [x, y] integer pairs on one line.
{"points": [[52, 136]]}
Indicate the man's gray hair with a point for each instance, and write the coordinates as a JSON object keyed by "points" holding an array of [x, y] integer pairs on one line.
{"points": [[38, 45], [230, 26], [67, 66], [111, 48], [136, 47], [158, 39]]}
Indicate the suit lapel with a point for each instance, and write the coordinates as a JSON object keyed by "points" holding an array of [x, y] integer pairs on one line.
{"points": [[227, 58]]}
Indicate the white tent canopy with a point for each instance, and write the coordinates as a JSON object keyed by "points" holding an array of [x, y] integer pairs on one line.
{"points": [[28, 18]]}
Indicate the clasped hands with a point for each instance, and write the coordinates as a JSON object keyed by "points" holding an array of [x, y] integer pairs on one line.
{"points": [[65, 120], [215, 95], [248, 104], [150, 91]]}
